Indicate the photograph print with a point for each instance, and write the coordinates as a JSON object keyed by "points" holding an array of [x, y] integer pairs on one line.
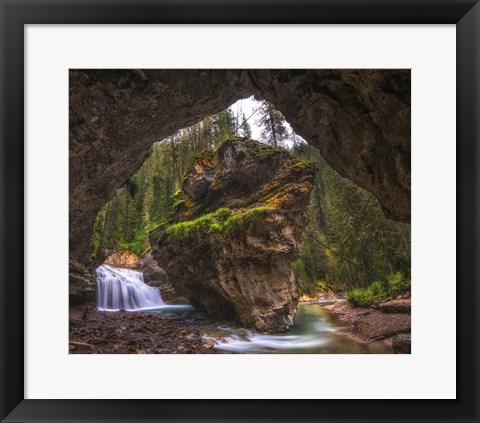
{"points": [[239, 211]]}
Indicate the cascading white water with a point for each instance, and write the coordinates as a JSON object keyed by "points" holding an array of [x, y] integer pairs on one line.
{"points": [[124, 289], [244, 341]]}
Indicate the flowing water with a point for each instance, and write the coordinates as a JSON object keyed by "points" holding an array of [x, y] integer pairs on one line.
{"points": [[124, 289], [315, 330]]}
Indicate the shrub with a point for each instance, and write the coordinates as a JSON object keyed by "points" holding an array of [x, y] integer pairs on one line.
{"points": [[377, 288], [378, 291], [361, 297], [395, 282]]}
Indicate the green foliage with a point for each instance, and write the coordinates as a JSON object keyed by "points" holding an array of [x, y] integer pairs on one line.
{"points": [[360, 297], [306, 278], [150, 196], [350, 221], [377, 288], [398, 284], [396, 281], [223, 126], [132, 187], [245, 128], [137, 245], [272, 123], [378, 291]]}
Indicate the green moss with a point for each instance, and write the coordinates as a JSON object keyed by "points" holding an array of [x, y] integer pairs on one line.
{"points": [[222, 221], [211, 222], [222, 213], [233, 226], [238, 222], [215, 227], [255, 215], [261, 149], [147, 250], [178, 204], [300, 165]]}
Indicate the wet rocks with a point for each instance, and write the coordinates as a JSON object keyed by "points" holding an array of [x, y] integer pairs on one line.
{"points": [[402, 344], [395, 306], [371, 324], [239, 216], [134, 333]]}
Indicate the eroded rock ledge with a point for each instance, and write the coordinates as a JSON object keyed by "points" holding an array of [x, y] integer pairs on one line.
{"points": [[239, 216]]}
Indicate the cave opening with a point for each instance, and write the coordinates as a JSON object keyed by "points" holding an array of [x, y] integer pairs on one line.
{"points": [[339, 214]]}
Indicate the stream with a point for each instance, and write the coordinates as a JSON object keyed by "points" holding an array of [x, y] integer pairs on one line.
{"points": [[315, 330]]}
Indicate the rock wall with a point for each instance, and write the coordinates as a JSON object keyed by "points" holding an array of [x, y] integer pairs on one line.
{"points": [[239, 217], [359, 120], [82, 286]]}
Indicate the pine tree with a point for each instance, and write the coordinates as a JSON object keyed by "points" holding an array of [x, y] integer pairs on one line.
{"points": [[246, 130], [272, 124], [223, 126], [351, 223]]}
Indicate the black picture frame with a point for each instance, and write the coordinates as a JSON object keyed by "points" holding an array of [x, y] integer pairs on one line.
{"points": [[17, 13]]}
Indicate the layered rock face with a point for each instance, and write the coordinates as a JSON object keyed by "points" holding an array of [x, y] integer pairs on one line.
{"points": [[359, 119], [239, 216], [81, 283]]}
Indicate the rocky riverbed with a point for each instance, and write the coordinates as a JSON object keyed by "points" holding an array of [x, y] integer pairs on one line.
{"points": [[123, 332], [390, 321], [187, 331]]}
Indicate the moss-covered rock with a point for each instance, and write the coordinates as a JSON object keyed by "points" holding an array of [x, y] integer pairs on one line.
{"points": [[238, 217]]}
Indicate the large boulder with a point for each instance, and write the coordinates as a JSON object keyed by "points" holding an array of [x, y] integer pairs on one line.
{"points": [[239, 215]]}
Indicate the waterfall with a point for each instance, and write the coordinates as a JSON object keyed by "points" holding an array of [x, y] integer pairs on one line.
{"points": [[124, 289]]}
